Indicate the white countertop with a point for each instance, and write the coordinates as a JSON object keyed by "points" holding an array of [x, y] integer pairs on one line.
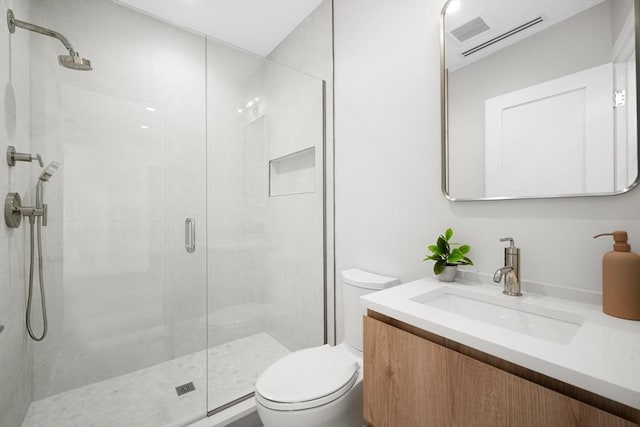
{"points": [[603, 357]]}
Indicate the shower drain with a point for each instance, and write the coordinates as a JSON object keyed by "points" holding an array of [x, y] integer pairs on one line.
{"points": [[185, 388]]}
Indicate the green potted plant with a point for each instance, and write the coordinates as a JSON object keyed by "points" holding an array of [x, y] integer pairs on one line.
{"points": [[448, 256]]}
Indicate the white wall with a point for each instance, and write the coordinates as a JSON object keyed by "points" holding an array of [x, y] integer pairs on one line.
{"points": [[16, 371], [388, 201]]}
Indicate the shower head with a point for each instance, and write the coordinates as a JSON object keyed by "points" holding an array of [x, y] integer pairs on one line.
{"points": [[72, 61], [48, 171]]}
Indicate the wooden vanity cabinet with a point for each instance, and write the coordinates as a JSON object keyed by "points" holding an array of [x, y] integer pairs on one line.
{"points": [[412, 381]]}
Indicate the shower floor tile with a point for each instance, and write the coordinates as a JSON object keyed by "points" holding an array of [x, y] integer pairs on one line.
{"points": [[147, 397]]}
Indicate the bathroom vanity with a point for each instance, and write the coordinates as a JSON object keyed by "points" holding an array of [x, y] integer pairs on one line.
{"points": [[464, 354]]}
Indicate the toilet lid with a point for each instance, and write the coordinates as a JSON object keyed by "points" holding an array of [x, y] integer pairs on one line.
{"points": [[307, 379]]}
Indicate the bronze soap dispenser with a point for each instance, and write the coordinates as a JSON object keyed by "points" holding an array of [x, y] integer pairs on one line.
{"points": [[621, 279]]}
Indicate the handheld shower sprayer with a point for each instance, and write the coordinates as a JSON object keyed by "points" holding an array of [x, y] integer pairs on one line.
{"points": [[73, 61], [37, 215], [44, 177], [48, 171]]}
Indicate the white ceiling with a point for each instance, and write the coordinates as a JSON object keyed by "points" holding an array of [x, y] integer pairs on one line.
{"points": [[254, 25]]}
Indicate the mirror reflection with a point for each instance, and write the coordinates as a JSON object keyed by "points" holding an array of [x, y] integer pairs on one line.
{"points": [[540, 98]]}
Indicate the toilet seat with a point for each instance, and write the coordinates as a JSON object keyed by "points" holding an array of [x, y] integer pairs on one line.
{"points": [[307, 379]]}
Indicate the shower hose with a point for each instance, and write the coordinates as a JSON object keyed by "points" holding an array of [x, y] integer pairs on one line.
{"points": [[41, 278]]}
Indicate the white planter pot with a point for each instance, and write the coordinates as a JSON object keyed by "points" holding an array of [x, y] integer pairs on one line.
{"points": [[448, 274]]}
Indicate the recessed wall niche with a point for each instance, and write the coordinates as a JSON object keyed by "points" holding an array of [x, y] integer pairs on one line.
{"points": [[294, 173]]}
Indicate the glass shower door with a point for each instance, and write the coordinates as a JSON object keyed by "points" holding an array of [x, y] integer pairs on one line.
{"points": [[126, 300]]}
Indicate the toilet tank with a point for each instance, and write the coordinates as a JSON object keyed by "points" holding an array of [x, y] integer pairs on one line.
{"points": [[356, 283]]}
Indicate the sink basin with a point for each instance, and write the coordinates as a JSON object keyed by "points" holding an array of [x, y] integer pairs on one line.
{"points": [[506, 312]]}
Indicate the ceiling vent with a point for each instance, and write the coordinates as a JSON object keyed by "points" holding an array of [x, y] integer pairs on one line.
{"points": [[472, 28], [503, 36]]}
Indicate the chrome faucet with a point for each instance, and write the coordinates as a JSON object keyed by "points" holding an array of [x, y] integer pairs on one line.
{"points": [[511, 269]]}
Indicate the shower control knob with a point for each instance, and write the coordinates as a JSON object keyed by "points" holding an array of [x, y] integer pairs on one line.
{"points": [[13, 157]]}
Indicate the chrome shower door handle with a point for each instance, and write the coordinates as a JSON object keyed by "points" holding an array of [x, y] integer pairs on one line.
{"points": [[190, 235]]}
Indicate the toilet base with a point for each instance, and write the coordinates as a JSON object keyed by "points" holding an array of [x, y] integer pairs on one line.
{"points": [[345, 411]]}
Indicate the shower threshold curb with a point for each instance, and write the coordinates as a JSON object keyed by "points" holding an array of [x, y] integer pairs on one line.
{"points": [[224, 418]]}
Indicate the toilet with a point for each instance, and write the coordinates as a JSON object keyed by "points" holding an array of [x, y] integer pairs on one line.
{"points": [[322, 386]]}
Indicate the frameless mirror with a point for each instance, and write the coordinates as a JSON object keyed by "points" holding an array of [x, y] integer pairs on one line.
{"points": [[539, 98]]}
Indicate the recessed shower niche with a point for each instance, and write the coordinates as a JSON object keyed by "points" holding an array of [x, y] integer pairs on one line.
{"points": [[294, 173]]}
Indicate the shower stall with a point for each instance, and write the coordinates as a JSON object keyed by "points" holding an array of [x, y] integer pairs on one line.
{"points": [[186, 238]]}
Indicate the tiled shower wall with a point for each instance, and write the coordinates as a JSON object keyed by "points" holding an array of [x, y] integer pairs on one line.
{"points": [[293, 221], [265, 253], [15, 346], [296, 291], [236, 194]]}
